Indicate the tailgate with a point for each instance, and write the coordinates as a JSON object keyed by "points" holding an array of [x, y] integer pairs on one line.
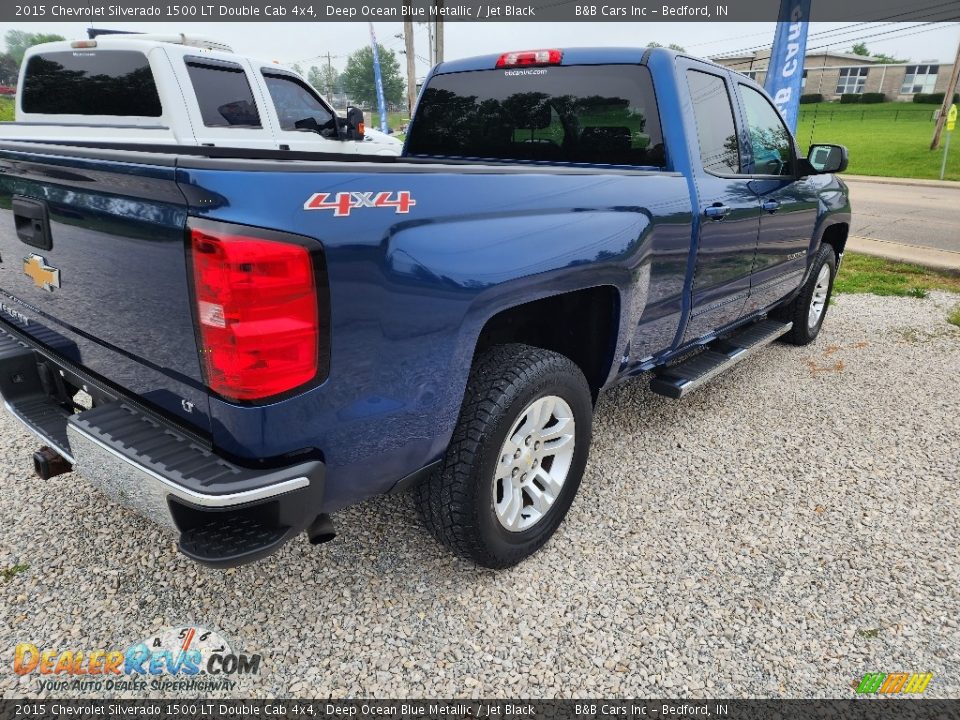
{"points": [[93, 265]]}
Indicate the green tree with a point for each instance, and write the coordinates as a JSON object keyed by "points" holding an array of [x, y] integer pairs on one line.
{"points": [[888, 59], [358, 77], [18, 41], [8, 70], [313, 77], [861, 49], [325, 79], [672, 46], [331, 79]]}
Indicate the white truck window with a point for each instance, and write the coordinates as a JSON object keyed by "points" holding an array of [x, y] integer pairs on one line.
{"points": [[223, 93], [88, 82], [293, 101]]}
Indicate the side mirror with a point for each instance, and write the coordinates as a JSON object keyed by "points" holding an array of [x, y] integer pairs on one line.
{"points": [[308, 123], [355, 122], [827, 158], [329, 130]]}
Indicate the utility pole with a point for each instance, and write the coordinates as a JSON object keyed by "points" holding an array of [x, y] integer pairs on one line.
{"points": [[438, 53], [432, 45], [330, 87], [947, 101], [411, 63]]}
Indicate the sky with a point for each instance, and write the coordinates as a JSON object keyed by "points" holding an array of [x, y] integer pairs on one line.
{"points": [[306, 42]]}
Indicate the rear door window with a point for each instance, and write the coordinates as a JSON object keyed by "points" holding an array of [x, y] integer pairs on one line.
{"points": [[596, 114], [713, 115], [224, 93], [90, 82]]}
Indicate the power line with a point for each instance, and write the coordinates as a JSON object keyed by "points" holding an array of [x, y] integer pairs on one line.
{"points": [[734, 53], [923, 28], [847, 29], [324, 56]]}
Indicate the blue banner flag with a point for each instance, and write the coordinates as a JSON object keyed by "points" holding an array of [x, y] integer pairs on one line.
{"points": [[381, 103], [785, 73]]}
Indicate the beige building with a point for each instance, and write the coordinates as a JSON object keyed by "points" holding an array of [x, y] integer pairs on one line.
{"points": [[833, 74]]}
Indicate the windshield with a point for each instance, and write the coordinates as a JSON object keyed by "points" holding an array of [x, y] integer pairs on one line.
{"points": [[596, 114]]}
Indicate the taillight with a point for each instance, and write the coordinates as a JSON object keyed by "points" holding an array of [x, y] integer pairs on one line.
{"points": [[258, 312], [530, 58]]}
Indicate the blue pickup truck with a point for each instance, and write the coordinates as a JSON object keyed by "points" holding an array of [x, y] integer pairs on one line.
{"points": [[238, 343]]}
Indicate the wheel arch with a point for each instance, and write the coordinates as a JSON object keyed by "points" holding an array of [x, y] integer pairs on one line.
{"points": [[582, 325], [835, 235]]}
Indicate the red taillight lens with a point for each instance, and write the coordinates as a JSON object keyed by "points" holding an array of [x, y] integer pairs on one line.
{"points": [[529, 58], [257, 311]]}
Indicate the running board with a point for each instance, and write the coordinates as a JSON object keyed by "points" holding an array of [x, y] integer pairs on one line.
{"points": [[677, 380]]}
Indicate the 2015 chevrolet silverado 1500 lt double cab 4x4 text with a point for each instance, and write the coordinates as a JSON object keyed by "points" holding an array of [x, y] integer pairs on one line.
{"points": [[238, 343]]}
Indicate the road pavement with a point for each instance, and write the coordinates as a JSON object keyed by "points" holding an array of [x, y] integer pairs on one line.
{"points": [[920, 215]]}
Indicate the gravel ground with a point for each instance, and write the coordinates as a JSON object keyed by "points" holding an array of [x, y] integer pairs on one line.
{"points": [[779, 533]]}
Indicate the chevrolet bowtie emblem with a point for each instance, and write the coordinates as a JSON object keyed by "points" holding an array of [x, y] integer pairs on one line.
{"points": [[44, 276]]}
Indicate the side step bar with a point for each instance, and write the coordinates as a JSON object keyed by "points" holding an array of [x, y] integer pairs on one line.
{"points": [[677, 380]]}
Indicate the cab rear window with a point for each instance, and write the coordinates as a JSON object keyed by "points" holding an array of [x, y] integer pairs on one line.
{"points": [[90, 82], [594, 114]]}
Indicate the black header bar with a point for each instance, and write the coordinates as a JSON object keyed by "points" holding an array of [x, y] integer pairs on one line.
{"points": [[106, 11], [867, 708]]}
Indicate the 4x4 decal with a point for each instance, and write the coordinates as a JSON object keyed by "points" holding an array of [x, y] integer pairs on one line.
{"points": [[344, 202]]}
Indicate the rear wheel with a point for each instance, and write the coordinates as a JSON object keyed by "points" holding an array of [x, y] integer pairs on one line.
{"points": [[808, 310], [516, 457]]}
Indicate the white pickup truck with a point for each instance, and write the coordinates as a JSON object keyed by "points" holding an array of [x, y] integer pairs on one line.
{"points": [[163, 89]]}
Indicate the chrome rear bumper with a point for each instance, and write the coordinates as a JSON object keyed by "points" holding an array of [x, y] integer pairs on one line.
{"points": [[225, 514]]}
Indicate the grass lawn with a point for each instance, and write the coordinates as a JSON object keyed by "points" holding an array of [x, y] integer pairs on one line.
{"points": [[891, 139], [895, 111], [954, 317], [395, 120], [868, 274], [6, 108]]}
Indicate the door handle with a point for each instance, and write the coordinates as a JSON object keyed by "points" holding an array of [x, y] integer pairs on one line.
{"points": [[717, 211], [32, 222], [771, 206]]}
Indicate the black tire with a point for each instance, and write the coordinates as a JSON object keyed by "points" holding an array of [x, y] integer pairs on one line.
{"points": [[798, 310], [457, 502]]}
